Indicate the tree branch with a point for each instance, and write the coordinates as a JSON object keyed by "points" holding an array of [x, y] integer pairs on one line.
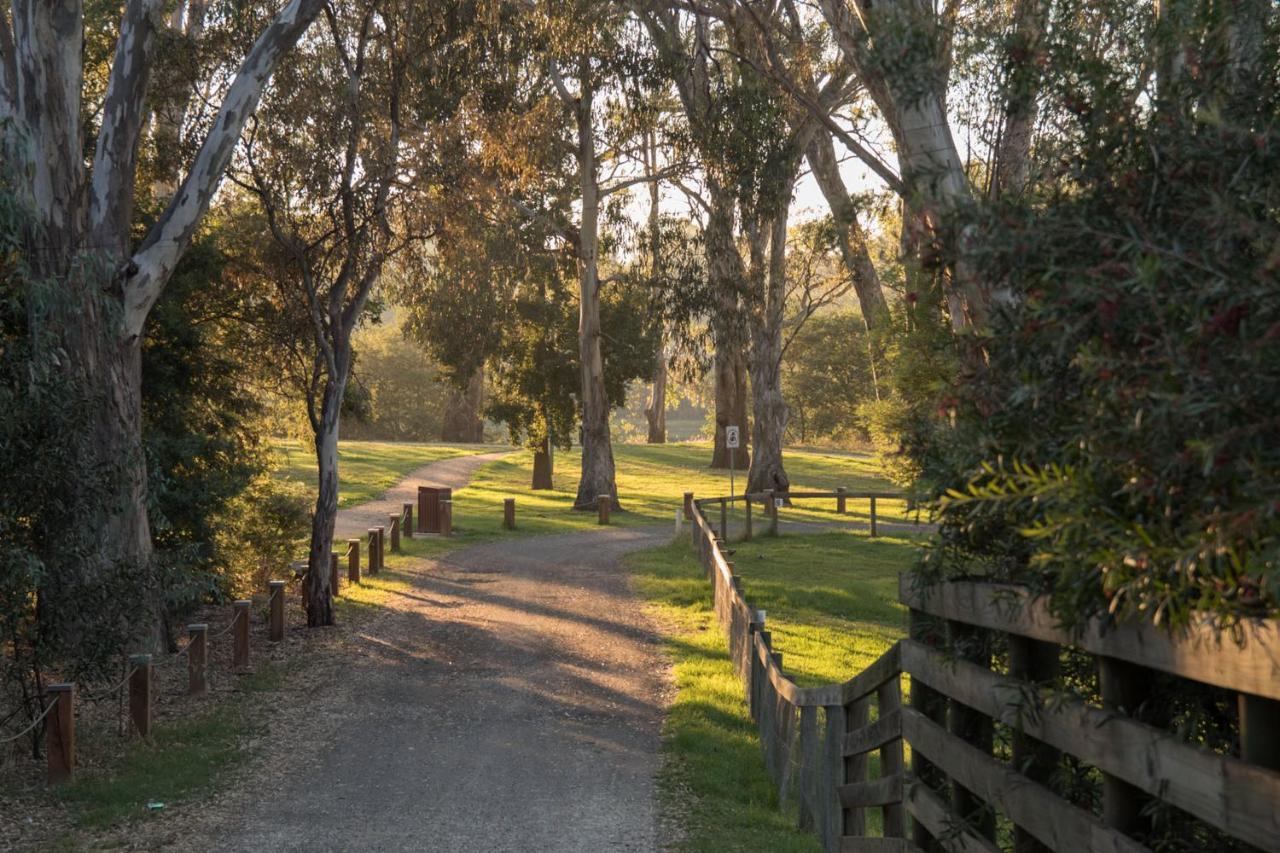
{"points": [[173, 232]]}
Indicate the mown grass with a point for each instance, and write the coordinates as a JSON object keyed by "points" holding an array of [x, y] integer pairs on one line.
{"points": [[181, 761], [832, 609], [366, 469]]}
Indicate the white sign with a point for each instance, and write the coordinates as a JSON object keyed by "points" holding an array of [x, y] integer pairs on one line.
{"points": [[731, 437]]}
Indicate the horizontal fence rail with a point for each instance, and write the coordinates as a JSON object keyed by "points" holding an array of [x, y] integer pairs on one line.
{"points": [[966, 789]]}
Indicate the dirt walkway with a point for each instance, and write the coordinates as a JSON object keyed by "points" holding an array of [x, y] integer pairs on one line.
{"points": [[453, 473], [510, 699]]}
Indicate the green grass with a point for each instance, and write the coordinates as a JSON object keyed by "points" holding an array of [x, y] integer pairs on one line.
{"points": [[832, 609], [182, 760], [366, 469]]}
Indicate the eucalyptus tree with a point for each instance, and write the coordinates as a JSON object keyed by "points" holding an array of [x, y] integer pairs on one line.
{"points": [[340, 168], [80, 187]]}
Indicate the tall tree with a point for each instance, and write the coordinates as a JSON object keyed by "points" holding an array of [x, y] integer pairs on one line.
{"points": [[83, 208]]}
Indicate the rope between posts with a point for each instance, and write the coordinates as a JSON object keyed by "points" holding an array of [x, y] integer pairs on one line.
{"points": [[102, 694], [351, 547], [179, 653], [34, 722], [226, 630]]}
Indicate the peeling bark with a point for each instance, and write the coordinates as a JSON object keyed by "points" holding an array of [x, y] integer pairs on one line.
{"points": [[768, 406]]}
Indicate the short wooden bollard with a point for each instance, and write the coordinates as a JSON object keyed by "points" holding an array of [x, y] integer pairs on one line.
{"points": [[393, 524], [446, 518], [602, 509], [140, 693], [334, 580], [240, 634], [373, 550], [508, 513], [353, 561], [197, 659], [688, 505], [60, 733], [406, 526], [873, 516], [275, 627], [746, 520], [841, 500], [382, 547]]}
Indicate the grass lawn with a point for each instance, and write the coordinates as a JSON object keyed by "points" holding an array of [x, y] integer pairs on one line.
{"points": [[832, 609], [366, 469]]}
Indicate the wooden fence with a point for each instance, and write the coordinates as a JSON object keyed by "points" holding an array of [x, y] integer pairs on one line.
{"points": [[969, 790]]}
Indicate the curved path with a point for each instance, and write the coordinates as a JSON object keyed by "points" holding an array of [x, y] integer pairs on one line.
{"points": [[509, 699], [454, 473]]}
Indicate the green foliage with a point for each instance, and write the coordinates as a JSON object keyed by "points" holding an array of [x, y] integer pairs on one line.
{"points": [[826, 375], [1115, 442]]}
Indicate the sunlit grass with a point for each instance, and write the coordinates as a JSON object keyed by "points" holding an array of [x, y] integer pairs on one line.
{"points": [[831, 602], [366, 469]]}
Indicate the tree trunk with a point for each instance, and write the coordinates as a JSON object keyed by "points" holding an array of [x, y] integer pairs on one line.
{"points": [[597, 447], [728, 279], [769, 408], [655, 410], [853, 242], [463, 421], [543, 466], [1022, 89], [319, 597], [730, 375]]}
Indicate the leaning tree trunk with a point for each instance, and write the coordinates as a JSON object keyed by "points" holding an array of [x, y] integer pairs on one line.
{"points": [[597, 476], [768, 406], [319, 595], [655, 410]]}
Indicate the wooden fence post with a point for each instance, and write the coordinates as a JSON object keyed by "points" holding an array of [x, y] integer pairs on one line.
{"points": [[509, 513], [889, 700], [60, 733], [746, 519], [771, 496], [688, 505], [1260, 731], [975, 728], [373, 550], [1123, 686], [693, 525], [353, 561], [602, 509], [724, 519], [393, 522], [382, 548], [197, 658], [140, 693], [446, 518], [1035, 662], [933, 705], [406, 527], [275, 603], [873, 516], [830, 816], [841, 496], [856, 767], [240, 634], [333, 575]]}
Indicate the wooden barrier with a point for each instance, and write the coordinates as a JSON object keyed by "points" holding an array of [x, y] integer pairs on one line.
{"points": [[372, 534], [197, 659], [275, 610], [140, 676], [240, 635], [382, 547], [353, 561], [816, 740], [406, 521], [393, 524], [509, 513], [602, 509], [446, 517], [60, 733]]}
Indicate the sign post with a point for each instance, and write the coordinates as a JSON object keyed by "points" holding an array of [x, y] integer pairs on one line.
{"points": [[731, 442]]}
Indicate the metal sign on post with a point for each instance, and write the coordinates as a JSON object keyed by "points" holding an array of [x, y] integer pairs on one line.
{"points": [[731, 441]]}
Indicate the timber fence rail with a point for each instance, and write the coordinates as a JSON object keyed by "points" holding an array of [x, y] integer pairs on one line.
{"points": [[771, 503], [969, 790]]}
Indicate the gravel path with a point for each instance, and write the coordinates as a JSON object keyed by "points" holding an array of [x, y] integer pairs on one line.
{"points": [[509, 700], [453, 473]]}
